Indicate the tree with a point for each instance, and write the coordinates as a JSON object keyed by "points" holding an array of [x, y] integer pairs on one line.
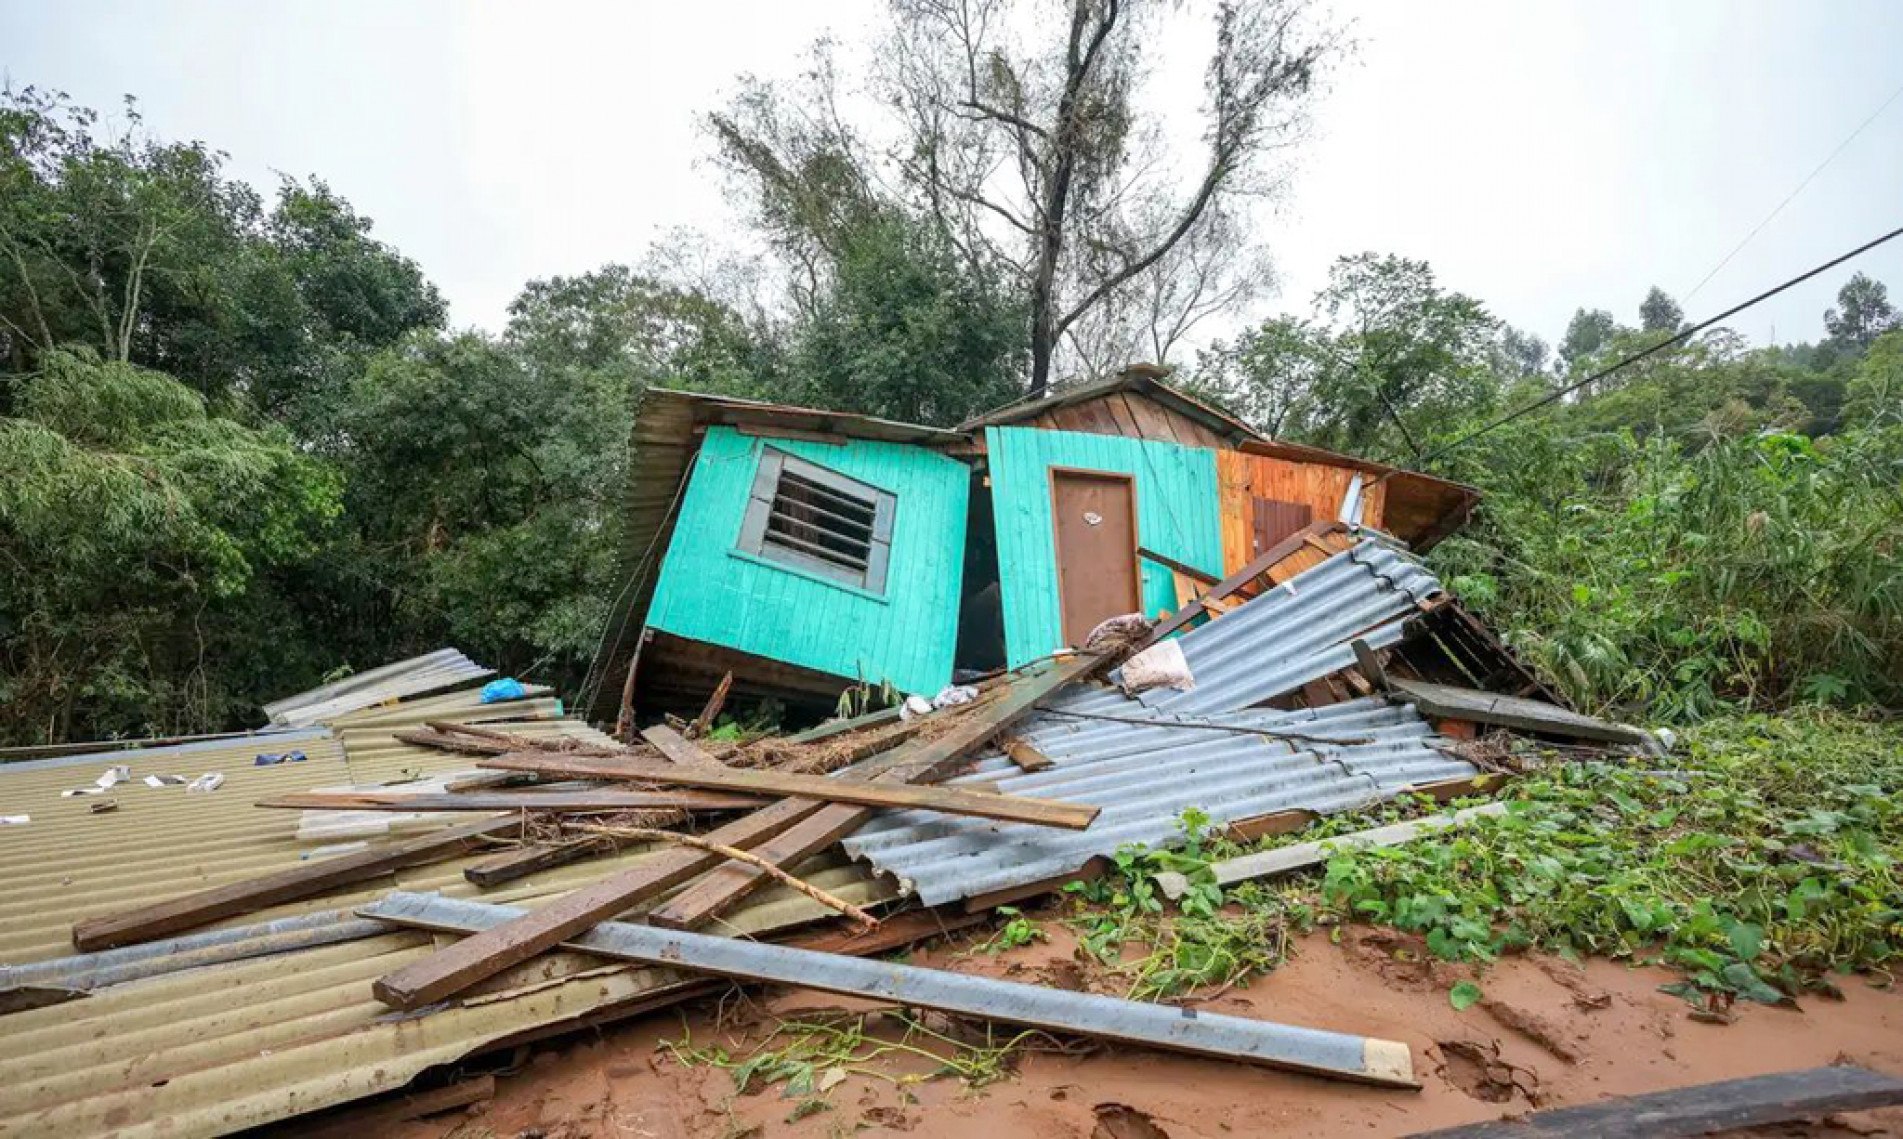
{"points": [[1660, 313], [1041, 157], [1029, 146], [144, 251], [1521, 355], [139, 538], [628, 324], [1390, 360], [908, 333], [1586, 334], [1863, 312], [485, 493]]}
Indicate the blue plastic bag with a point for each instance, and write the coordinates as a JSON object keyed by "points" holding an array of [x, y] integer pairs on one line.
{"points": [[507, 688]]}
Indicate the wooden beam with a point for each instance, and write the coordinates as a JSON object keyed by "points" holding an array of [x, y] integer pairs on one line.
{"points": [[704, 722], [948, 800], [176, 915], [1027, 758], [930, 760], [1701, 1109], [453, 969], [1257, 566], [523, 861], [493, 801], [1187, 571]]}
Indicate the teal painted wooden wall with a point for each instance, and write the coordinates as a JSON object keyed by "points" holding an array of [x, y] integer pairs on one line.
{"points": [[710, 592], [1178, 514]]}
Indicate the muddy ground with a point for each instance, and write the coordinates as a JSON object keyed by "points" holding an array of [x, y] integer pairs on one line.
{"points": [[1548, 1033]]}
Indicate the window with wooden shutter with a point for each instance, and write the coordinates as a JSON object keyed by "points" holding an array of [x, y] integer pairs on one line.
{"points": [[803, 515]]}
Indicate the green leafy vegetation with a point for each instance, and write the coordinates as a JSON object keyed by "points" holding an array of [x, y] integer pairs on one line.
{"points": [[1760, 864]]}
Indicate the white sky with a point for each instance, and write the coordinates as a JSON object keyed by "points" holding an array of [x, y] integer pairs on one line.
{"points": [[1542, 156]]}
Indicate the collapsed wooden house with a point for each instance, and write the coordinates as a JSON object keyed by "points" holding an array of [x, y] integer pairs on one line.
{"points": [[805, 550]]}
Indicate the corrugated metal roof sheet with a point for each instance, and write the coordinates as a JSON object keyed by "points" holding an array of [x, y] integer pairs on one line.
{"points": [[1200, 748], [180, 1038], [1144, 778], [440, 669]]}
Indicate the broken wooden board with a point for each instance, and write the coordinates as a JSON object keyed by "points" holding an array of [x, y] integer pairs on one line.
{"points": [[1701, 1109], [728, 885], [948, 800], [1386, 1063], [175, 915], [492, 801], [704, 722], [1517, 712], [1027, 757]]}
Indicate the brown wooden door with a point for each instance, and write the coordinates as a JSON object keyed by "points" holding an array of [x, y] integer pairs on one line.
{"points": [[1094, 514], [1276, 520]]}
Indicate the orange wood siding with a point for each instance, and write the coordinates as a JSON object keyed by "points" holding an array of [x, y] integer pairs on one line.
{"points": [[1245, 478]]}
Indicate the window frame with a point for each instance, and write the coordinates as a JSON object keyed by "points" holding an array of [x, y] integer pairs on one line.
{"points": [[756, 539]]}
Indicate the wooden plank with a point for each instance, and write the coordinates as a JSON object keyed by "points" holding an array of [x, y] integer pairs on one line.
{"points": [[176, 915], [1726, 1105], [834, 727], [492, 801], [1028, 758], [1512, 712], [930, 760], [1188, 571], [679, 749], [455, 968], [1257, 566], [704, 722], [523, 861], [948, 800]]}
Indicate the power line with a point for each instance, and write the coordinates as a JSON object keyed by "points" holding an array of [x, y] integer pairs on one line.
{"points": [[1561, 393], [1811, 177]]}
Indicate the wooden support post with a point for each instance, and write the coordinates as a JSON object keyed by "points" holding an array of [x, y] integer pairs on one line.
{"points": [[624, 721], [704, 722]]}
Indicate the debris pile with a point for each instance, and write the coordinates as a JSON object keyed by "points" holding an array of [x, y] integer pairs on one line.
{"points": [[229, 945]]}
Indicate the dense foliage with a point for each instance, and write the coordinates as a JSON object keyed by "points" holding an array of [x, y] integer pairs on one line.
{"points": [[239, 450]]}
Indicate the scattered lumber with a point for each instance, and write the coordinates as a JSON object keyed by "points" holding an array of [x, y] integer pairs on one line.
{"points": [[492, 801], [1701, 1109], [649, 834], [1287, 858], [728, 885], [174, 915], [1385, 1063], [949, 800], [453, 969]]}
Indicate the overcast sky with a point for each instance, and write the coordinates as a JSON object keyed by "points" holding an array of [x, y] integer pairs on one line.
{"points": [[1542, 156]]}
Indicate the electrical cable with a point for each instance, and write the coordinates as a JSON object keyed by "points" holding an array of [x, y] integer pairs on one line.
{"points": [[1808, 179], [1561, 393]]}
